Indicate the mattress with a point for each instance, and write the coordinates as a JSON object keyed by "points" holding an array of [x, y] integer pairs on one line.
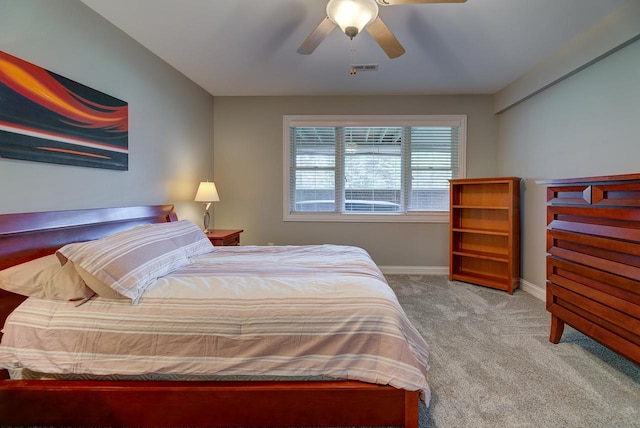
{"points": [[320, 311]]}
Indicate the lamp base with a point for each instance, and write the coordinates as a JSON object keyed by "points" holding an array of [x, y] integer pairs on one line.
{"points": [[207, 218]]}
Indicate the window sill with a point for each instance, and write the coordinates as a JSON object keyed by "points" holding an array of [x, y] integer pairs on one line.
{"points": [[424, 217]]}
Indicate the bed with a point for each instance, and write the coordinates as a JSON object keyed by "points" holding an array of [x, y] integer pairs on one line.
{"points": [[280, 398]]}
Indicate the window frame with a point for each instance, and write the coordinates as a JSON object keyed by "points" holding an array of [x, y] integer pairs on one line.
{"points": [[290, 121]]}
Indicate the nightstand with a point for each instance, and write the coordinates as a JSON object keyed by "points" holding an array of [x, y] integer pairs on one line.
{"points": [[223, 237]]}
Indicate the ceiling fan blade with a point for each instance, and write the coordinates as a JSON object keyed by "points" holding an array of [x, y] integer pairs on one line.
{"points": [[317, 36], [385, 38], [396, 2]]}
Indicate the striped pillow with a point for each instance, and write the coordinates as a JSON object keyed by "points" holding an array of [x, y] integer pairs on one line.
{"points": [[128, 261]]}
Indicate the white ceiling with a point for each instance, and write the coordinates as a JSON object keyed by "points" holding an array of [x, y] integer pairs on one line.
{"points": [[248, 47]]}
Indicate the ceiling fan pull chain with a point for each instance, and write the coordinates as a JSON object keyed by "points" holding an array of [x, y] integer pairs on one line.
{"points": [[352, 67]]}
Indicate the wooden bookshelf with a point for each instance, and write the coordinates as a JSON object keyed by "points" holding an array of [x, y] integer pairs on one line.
{"points": [[484, 232]]}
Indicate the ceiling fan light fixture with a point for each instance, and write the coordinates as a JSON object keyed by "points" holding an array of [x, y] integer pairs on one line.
{"points": [[352, 16]]}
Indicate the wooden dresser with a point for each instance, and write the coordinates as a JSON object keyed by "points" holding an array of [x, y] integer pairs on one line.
{"points": [[593, 262]]}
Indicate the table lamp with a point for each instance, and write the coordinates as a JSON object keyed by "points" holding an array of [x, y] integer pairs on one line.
{"points": [[207, 193]]}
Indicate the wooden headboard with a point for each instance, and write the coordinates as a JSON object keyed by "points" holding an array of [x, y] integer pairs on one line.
{"points": [[27, 236]]}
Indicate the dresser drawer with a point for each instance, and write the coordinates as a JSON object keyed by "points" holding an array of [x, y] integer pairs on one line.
{"points": [[621, 258], [573, 195], [231, 240], [615, 223], [612, 290], [620, 195], [622, 325]]}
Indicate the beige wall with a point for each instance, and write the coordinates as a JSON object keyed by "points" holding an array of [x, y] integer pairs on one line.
{"points": [[583, 126], [170, 118], [248, 172]]}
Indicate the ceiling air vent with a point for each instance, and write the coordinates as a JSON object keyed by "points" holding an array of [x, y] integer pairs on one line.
{"points": [[362, 67], [365, 67]]}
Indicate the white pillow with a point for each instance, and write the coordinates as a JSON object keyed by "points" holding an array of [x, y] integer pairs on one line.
{"points": [[46, 279], [128, 261]]}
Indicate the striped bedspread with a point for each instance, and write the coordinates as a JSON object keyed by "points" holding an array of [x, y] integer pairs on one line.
{"points": [[299, 311]]}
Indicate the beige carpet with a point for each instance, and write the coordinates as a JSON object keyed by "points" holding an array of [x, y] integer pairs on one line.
{"points": [[493, 366]]}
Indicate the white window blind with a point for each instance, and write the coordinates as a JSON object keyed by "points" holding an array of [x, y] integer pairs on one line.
{"points": [[434, 161], [372, 169], [313, 169], [382, 168]]}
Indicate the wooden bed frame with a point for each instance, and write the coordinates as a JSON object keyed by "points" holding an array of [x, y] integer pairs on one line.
{"points": [[27, 236]]}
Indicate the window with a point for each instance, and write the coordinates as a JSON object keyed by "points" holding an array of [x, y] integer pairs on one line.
{"points": [[371, 168]]}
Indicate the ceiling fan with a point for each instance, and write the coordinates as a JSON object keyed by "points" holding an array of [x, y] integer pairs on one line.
{"points": [[352, 16]]}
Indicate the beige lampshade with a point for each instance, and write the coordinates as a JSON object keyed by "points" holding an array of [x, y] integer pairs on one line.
{"points": [[207, 192]]}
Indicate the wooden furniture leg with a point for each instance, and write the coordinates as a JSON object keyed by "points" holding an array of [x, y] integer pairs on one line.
{"points": [[557, 327]]}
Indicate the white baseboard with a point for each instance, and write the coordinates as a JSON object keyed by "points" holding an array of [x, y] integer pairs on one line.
{"points": [[526, 286], [415, 270], [534, 290]]}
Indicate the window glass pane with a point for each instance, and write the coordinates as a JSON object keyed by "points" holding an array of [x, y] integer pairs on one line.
{"points": [[373, 169], [313, 169], [315, 147], [315, 191], [434, 161]]}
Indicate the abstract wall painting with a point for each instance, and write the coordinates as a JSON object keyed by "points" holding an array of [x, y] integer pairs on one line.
{"points": [[45, 117]]}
